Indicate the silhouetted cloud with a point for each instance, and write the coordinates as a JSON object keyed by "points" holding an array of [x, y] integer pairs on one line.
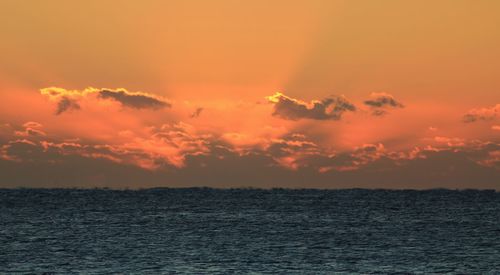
{"points": [[484, 114], [197, 112], [27, 163], [69, 99], [331, 108], [179, 154], [66, 104], [380, 102], [134, 100]]}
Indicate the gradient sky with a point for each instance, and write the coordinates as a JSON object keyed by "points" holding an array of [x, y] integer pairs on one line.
{"points": [[223, 93]]}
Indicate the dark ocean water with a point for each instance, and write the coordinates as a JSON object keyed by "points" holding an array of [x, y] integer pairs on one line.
{"points": [[249, 231]]}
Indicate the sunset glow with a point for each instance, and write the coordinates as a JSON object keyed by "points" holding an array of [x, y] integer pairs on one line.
{"points": [[329, 94]]}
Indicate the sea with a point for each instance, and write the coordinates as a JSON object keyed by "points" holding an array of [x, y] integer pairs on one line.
{"points": [[249, 231]]}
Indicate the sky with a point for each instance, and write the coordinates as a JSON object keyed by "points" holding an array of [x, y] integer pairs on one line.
{"points": [[224, 93]]}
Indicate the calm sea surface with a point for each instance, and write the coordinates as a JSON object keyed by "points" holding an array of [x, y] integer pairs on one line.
{"points": [[248, 231]]}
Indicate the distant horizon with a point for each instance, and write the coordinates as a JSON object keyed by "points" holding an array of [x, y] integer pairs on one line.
{"points": [[247, 188]]}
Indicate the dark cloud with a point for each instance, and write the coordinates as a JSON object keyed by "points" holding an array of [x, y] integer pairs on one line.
{"points": [[204, 160], [134, 100], [331, 108], [197, 112], [66, 100], [32, 164], [66, 104], [482, 114], [69, 99], [380, 102], [35, 166]]}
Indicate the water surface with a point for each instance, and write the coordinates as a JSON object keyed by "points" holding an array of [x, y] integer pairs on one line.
{"points": [[203, 230]]}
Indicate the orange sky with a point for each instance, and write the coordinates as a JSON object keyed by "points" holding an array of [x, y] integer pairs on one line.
{"points": [[368, 89]]}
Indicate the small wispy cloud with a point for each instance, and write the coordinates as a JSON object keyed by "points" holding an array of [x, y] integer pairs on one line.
{"points": [[482, 114], [380, 103]]}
